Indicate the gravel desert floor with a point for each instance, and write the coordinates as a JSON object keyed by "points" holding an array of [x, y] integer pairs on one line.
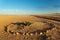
{"points": [[30, 27]]}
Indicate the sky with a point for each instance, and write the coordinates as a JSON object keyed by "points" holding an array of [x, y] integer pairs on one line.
{"points": [[29, 6]]}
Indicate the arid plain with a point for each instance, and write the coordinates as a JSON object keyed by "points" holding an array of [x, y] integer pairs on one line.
{"points": [[47, 25]]}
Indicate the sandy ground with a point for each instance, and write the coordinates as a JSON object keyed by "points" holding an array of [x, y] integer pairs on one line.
{"points": [[38, 20]]}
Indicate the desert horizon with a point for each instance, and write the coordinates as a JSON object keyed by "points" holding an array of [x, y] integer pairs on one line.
{"points": [[29, 19]]}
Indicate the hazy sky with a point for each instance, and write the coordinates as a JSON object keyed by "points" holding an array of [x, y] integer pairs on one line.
{"points": [[29, 6]]}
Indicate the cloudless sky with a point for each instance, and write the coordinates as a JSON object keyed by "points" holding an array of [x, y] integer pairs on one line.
{"points": [[29, 6]]}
